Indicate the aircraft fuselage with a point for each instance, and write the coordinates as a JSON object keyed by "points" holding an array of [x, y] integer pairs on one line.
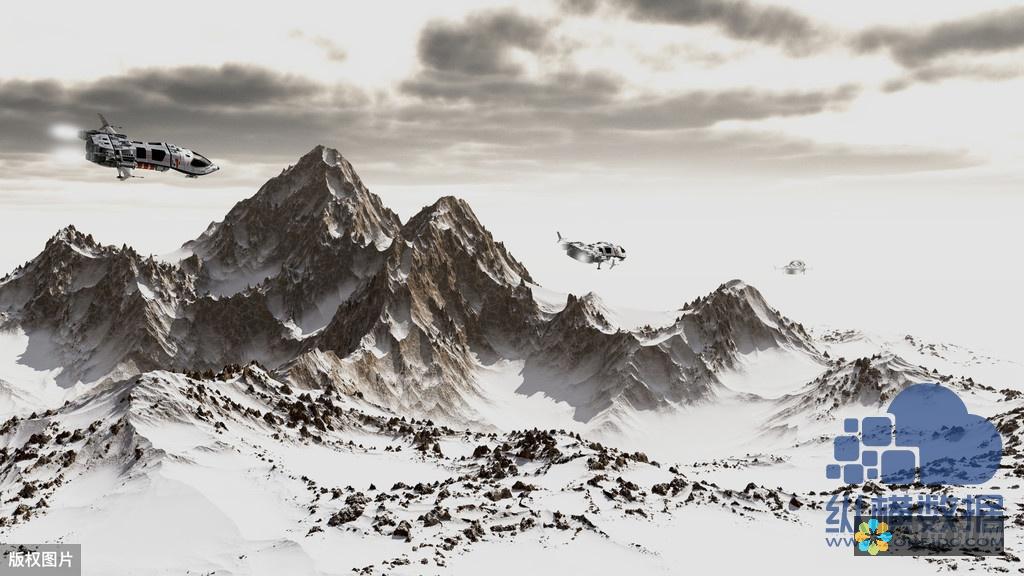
{"points": [[111, 149]]}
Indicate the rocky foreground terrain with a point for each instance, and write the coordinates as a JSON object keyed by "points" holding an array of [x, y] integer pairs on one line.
{"points": [[316, 387]]}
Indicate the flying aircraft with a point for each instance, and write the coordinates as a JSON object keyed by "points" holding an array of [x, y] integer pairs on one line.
{"points": [[795, 267], [108, 147], [599, 252]]}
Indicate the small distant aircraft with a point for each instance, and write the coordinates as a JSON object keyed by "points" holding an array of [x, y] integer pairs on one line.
{"points": [[795, 267], [108, 147], [599, 252]]}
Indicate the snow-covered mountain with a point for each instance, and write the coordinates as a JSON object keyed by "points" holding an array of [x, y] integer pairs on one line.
{"points": [[101, 312], [309, 237], [316, 387], [314, 277], [447, 298]]}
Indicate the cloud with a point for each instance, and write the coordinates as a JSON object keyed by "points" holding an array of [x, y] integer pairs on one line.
{"points": [[561, 90], [195, 88], [738, 19], [702, 109], [445, 126], [230, 85], [236, 105], [481, 44], [467, 69], [938, 72], [331, 50], [979, 35]]}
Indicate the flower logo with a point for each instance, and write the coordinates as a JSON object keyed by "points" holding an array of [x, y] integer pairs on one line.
{"points": [[873, 537]]}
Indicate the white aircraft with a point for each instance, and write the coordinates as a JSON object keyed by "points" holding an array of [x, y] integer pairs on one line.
{"points": [[795, 267], [599, 252], [107, 147]]}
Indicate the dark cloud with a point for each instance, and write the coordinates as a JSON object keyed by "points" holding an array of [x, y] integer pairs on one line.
{"points": [[582, 7], [194, 88], [565, 90], [229, 105], [737, 18], [979, 35], [231, 85], [448, 126], [466, 70], [480, 44], [468, 76]]}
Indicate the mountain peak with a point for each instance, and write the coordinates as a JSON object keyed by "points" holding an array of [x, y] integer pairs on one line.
{"points": [[317, 213], [449, 225], [322, 153], [587, 310], [735, 319], [319, 178], [73, 237], [444, 212], [320, 163], [734, 285], [317, 155], [732, 293]]}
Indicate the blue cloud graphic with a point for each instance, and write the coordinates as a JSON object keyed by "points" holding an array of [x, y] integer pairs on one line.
{"points": [[954, 447]]}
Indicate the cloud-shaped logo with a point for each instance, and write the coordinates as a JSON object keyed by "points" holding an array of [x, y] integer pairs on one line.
{"points": [[954, 446]]}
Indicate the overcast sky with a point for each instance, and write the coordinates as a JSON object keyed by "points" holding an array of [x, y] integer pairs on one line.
{"points": [[466, 91], [641, 111]]}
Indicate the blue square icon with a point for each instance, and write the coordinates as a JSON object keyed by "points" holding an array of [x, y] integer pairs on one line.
{"points": [[869, 458], [853, 473], [898, 467], [832, 471], [872, 473], [846, 448], [850, 425], [877, 431]]}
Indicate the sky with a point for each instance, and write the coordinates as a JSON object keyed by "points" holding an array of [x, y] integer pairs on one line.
{"points": [[879, 141]]}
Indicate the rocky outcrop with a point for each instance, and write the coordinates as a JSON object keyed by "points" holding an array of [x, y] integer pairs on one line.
{"points": [[869, 381]]}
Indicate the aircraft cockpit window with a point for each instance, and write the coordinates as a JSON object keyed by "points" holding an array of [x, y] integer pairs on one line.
{"points": [[198, 162]]}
